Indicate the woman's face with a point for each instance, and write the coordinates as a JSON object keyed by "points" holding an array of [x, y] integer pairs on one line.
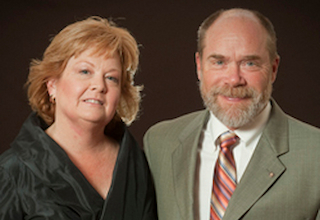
{"points": [[88, 90]]}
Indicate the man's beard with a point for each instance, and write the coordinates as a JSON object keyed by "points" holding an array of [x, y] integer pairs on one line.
{"points": [[238, 114]]}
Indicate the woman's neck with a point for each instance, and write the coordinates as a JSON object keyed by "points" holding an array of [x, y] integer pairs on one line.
{"points": [[79, 137]]}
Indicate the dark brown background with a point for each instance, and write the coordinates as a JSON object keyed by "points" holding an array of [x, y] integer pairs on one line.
{"points": [[167, 33]]}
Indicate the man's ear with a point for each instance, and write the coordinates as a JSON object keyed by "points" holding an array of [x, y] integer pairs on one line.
{"points": [[275, 66], [51, 86], [198, 64]]}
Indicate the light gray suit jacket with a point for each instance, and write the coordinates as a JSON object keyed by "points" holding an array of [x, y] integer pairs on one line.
{"points": [[281, 182]]}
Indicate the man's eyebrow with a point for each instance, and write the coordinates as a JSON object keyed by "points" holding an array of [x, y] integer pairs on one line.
{"points": [[216, 56], [222, 57], [252, 57]]}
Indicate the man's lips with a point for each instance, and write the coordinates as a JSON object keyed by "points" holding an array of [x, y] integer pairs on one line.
{"points": [[234, 98]]}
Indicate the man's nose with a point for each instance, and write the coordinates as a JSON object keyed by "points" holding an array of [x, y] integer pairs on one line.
{"points": [[234, 76]]}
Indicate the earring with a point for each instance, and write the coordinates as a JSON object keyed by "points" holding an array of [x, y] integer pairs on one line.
{"points": [[52, 99]]}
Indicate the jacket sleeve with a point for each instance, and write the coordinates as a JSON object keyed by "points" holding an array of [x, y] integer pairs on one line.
{"points": [[9, 200]]}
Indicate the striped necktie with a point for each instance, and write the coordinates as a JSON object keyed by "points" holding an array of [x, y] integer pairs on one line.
{"points": [[224, 181]]}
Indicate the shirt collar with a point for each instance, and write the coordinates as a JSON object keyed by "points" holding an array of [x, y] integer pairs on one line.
{"points": [[246, 133]]}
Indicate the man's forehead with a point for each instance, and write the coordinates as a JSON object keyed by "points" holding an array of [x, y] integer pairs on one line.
{"points": [[237, 13], [235, 16], [235, 24]]}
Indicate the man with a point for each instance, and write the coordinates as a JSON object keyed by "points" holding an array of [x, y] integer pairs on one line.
{"points": [[271, 169]]}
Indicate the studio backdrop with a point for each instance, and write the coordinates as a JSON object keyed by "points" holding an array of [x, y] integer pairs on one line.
{"points": [[166, 32]]}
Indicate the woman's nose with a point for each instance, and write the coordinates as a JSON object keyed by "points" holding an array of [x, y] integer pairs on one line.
{"points": [[99, 83]]}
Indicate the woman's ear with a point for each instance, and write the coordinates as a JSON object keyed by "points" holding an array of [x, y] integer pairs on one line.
{"points": [[51, 87]]}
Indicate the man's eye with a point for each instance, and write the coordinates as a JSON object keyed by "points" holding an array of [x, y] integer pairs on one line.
{"points": [[219, 62], [250, 63]]}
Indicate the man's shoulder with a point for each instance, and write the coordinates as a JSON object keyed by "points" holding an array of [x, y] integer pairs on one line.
{"points": [[281, 122], [176, 123], [171, 130], [164, 137], [299, 128]]}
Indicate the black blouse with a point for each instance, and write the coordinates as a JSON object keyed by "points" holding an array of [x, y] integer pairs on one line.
{"points": [[39, 181]]}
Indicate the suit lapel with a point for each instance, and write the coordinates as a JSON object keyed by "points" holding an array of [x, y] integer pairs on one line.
{"points": [[264, 169], [184, 159]]}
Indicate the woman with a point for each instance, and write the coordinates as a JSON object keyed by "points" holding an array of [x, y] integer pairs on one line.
{"points": [[74, 157]]}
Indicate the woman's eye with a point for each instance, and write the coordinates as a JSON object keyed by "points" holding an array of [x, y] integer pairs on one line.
{"points": [[113, 79], [84, 71]]}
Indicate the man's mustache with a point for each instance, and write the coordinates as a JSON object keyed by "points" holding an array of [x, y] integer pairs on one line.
{"points": [[234, 92]]}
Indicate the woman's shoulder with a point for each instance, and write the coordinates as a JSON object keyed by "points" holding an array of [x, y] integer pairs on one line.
{"points": [[12, 171], [9, 159], [9, 165]]}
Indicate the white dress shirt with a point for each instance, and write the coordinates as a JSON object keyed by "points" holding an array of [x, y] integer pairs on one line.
{"points": [[208, 151]]}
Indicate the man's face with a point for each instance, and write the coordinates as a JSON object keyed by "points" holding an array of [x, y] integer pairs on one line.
{"points": [[235, 70]]}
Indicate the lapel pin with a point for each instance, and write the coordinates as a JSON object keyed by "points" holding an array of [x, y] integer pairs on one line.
{"points": [[271, 174]]}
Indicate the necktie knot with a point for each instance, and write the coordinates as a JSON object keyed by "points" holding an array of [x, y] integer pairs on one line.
{"points": [[228, 139]]}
